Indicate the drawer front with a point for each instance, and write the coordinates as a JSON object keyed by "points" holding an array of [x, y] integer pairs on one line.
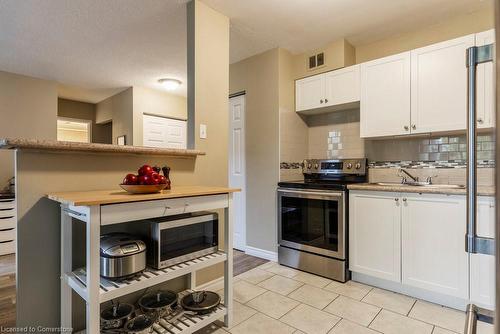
{"points": [[7, 213], [6, 223], [119, 213], [8, 247], [8, 235], [7, 204]]}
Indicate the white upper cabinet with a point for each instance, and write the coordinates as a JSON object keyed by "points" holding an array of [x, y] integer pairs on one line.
{"points": [[375, 234], [485, 84], [164, 132], [385, 96], [342, 86], [434, 256], [335, 89], [439, 86], [310, 93]]}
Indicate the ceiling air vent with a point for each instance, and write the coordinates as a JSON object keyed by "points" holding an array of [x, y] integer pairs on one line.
{"points": [[316, 60]]}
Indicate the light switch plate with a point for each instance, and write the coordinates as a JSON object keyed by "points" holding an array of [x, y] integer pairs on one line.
{"points": [[203, 131]]}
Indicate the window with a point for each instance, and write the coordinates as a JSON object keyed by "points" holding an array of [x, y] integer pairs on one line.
{"points": [[74, 130]]}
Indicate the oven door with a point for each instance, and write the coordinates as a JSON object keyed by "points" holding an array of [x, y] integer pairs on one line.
{"points": [[312, 221]]}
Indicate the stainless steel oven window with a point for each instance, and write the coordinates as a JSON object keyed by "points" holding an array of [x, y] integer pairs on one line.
{"points": [[335, 196]]}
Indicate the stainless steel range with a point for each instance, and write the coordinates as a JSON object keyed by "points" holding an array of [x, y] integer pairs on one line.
{"points": [[312, 217]]}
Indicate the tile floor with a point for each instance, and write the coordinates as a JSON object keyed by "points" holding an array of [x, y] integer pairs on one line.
{"points": [[276, 299]]}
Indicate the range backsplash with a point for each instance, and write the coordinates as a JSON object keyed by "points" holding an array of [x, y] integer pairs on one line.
{"points": [[336, 135]]}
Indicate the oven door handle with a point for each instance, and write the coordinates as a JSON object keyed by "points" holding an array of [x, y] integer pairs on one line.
{"points": [[301, 192]]}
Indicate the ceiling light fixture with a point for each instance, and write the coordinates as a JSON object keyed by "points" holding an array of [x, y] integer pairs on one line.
{"points": [[170, 84]]}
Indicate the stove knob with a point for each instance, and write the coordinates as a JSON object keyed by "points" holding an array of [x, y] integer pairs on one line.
{"points": [[349, 165], [358, 165], [316, 166]]}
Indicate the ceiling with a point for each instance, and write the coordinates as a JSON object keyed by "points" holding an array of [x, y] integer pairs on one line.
{"points": [[96, 48], [302, 25]]}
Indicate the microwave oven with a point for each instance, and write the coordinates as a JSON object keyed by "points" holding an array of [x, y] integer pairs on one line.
{"points": [[181, 238]]}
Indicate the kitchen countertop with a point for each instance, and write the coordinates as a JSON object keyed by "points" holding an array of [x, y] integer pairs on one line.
{"points": [[481, 190], [100, 197], [64, 146]]}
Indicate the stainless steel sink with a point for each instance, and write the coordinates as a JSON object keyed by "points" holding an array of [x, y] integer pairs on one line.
{"points": [[421, 184]]}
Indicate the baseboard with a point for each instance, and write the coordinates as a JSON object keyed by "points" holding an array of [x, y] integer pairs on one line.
{"points": [[262, 253]]}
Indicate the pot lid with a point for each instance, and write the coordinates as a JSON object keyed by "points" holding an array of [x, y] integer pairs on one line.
{"points": [[139, 323], [158, 300], [208, 301], [117, 311]]}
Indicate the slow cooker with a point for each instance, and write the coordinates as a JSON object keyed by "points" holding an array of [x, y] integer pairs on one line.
{"points": [[122, 255]]}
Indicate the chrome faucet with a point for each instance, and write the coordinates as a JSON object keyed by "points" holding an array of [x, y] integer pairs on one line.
{"points": [[408, 175]]}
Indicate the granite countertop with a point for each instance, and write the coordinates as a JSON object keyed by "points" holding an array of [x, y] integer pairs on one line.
{"points": [[482, 190], [64, 146], [100, 197]]}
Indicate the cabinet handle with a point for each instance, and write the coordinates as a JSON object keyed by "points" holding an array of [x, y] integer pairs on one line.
{"points": [[480, 120], [414, 127], [396, 199], [326, 100], [320, 101], [406, 127], [404, 200]]}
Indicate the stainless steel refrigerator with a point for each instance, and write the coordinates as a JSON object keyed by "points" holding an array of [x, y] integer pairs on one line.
{"points": [[475, 244]]}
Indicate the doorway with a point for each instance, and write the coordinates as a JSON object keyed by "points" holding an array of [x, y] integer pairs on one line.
{"points": [[237, 167]]}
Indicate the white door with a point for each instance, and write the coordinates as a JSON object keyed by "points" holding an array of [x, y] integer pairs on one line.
{"points": [[164, 132], [342, 86], [385, 96], [439, 86], [482, 267], [310, 93], [485, 84], [237, 168], [434, 256], [375, 234]]}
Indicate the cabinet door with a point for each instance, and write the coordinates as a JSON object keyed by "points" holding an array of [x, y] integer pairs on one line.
{"points": [[342, 86], [310, 93], [375, 235], [482, 267], [433, 232], [154, 131], [485, 84], [176, 133], [439, 86], [385, 96]]}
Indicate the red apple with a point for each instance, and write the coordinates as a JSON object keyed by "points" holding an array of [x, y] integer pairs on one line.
{"points": [[155, 178], [130, 179], [163, 179], [143, 179], [145, 170]]}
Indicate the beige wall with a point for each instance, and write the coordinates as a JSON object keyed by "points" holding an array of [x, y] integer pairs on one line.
{"points": [[120, 106], [28, 108], [447, 29], [158, 103], [101, 133], [258, 76]]}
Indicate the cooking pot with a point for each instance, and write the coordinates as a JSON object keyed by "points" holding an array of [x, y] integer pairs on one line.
{"points": [[116, 316], [159, 304], [121, 255], [141, 324]]}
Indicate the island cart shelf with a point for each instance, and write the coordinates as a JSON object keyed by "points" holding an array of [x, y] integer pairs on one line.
{"points": [[96, 209]]}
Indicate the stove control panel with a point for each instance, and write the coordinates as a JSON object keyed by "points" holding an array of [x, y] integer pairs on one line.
{"points": [[337, 166]]}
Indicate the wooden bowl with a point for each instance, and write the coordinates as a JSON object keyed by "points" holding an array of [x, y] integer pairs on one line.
{"points": [[143, 189]]}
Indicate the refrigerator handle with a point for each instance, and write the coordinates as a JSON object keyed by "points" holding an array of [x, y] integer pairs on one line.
{"points": [[473, 243]]}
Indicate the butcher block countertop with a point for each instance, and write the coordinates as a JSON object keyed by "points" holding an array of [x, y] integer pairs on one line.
{"points": [[481, 190], [65, 146], [100, 197]]}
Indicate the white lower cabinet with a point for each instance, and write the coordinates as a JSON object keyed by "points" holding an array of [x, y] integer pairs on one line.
{"points": [[482, 267], [414, 240], [375, 235], [433, 246]]}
